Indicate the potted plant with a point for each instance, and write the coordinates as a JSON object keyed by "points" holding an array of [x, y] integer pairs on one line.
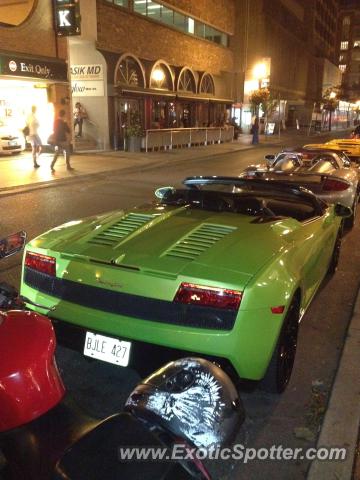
{"points": [[134, 133]]}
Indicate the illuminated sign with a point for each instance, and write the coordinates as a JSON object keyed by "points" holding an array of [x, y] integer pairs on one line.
{"points": [[33, 68], [67, 17]]}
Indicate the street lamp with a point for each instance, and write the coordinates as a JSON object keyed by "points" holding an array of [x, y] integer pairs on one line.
{"points": [[158, 76], [260, 72]]}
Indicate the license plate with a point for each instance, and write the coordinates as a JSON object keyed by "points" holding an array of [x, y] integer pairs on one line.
{"points": [[13, 143], [107, 349]]}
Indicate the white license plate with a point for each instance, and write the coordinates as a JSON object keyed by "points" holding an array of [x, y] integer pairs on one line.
{"points": [[13, 143], [107, 349]]}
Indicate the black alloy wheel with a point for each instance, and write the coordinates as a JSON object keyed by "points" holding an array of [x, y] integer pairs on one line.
{"points": [[333, 265], [281, 365], [350, 221]]}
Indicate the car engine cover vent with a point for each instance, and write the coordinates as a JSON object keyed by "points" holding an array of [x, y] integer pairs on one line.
{"points": [[198, 241], [116, 232]]}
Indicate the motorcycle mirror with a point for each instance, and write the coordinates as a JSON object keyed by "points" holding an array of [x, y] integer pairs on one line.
{"points": [[12, 244]]}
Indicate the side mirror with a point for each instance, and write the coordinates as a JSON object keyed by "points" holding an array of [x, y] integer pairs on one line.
{"points": [[12, 244], [342, 211], [163, 192], [269, 160]]}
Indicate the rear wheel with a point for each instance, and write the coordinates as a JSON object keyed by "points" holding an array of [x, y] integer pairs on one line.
{"points": [[335, 254], [282, 361], [350, 221]]}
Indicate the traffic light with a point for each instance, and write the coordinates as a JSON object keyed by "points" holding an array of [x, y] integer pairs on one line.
{"points": [[67, 17]]}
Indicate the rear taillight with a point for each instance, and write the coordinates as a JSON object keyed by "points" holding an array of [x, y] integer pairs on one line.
{"points": [[278, 309], [208, 296], [335, 185], [41, 263]]}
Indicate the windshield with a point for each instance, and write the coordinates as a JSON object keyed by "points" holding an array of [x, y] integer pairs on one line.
{"points": [[286, 162]]}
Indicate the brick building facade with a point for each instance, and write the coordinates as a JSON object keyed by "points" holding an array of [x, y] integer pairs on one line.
{"points": [[179, 63]]}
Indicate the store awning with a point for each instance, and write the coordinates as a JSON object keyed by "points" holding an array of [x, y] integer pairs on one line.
{"points": [[180, 95]]}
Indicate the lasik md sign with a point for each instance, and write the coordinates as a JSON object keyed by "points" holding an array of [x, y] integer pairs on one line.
{"points": [[67, 17], [86, 72]]}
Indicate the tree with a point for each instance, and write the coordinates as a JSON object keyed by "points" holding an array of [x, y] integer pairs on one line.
{"points": [[330, 100], [262, 98]]}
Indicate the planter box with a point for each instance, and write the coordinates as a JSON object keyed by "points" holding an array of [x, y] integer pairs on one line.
{"points": [[133, 144]]}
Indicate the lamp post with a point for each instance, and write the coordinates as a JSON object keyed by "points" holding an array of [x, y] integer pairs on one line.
{"points": [[332, 97]]}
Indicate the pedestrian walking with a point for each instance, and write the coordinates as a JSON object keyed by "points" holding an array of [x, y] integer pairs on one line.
{"points": [[79, 115], [61, 140], [33, 125], [356, 132], [255, 131]]}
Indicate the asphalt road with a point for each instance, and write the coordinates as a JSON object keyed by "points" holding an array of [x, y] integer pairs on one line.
{"points": [[101, 389]]}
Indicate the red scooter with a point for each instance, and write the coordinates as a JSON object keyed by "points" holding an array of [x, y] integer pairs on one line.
{"points": [[189, 403]]}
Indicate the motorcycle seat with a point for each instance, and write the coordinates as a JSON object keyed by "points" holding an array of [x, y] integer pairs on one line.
{"points": [[97, 454]]}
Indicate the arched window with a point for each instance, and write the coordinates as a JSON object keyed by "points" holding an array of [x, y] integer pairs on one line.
{"points": [[129, 72], [207, 84], [186, 81], [161, 76]]}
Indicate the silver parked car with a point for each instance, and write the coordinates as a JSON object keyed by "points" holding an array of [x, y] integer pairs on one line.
{"points": [[11, 140], [328, 174]]}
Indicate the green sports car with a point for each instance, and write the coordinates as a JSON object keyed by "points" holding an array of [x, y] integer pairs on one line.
{"points": [[222, 267]]}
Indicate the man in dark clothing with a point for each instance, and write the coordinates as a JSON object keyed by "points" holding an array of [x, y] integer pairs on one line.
{"points": [[61, 133], [356, 132]]}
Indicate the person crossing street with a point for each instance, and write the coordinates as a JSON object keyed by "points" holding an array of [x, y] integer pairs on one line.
{"points": [[61, 140]]}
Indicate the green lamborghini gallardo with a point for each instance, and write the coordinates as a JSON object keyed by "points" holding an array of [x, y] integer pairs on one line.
{"points": [[221, 267]]}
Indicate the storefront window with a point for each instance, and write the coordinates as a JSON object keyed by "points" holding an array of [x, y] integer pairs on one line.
{"points": [[16, 99], [159, 114], [161, 78], [129, 73], [187, 81], [207, 85]]}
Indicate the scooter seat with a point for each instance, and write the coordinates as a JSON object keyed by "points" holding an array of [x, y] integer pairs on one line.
{"points": [[97, 454]]}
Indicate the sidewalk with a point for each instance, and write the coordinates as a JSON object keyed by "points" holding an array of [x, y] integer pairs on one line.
{"points": [[17, 172]]}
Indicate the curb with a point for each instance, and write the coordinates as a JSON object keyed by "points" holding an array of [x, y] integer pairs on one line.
{"points": [[340, 427], [18, 189]]}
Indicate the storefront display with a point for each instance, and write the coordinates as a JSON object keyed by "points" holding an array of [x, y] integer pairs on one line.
{"points": [[25, 82]]}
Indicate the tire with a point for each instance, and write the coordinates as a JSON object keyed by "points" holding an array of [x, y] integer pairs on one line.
{"points": [[334, 261], [350, 221], [281, 364]]}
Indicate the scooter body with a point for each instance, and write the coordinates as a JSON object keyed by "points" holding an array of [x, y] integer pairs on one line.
{"points": [[30, 383]]}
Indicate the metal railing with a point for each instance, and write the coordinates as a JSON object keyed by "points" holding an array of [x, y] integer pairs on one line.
{"points": [[169, 138]]}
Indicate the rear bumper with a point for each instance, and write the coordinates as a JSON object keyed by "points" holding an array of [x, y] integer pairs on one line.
{"points": [[247, 347], [145, 357]]}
